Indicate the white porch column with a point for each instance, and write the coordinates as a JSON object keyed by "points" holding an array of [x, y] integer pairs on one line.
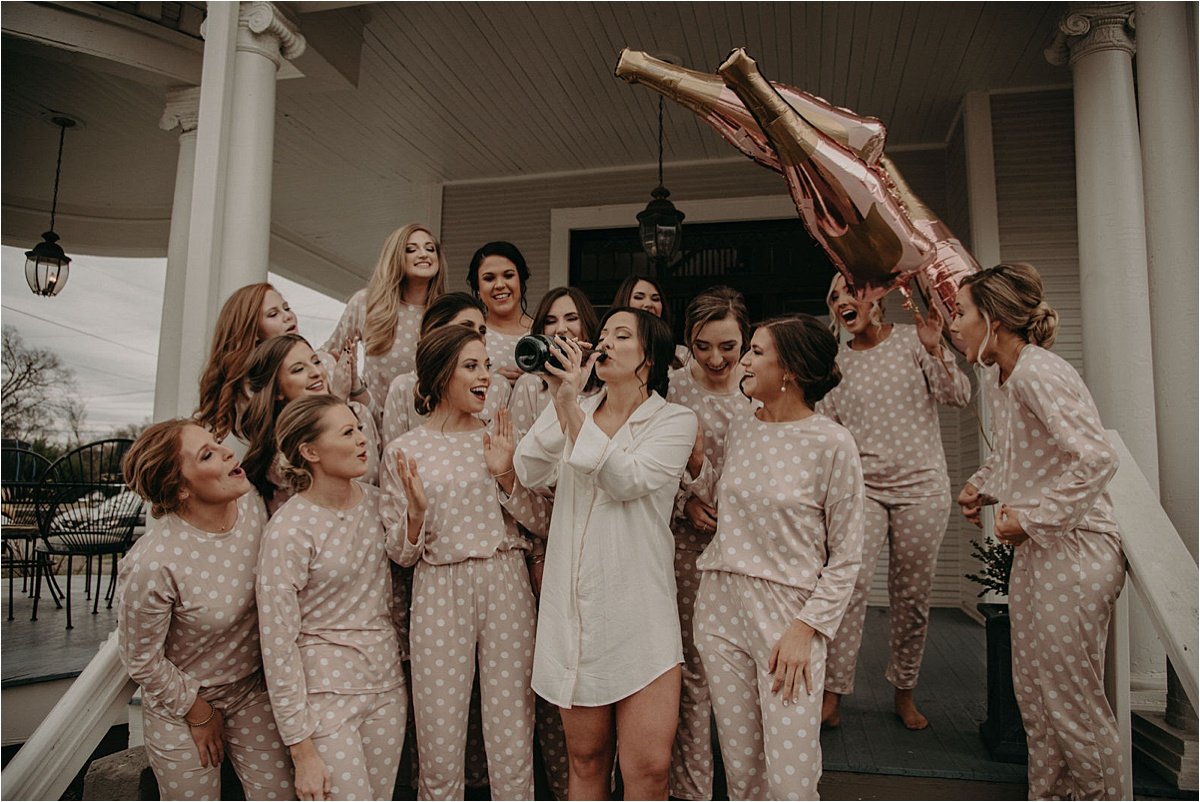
{"points": [[264, 37], [1096, 39], [183, 112], [1167, 102]]}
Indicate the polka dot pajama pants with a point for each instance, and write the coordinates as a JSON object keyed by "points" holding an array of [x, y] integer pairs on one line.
{"points": [[691, 757], [359, 737], [252, 742], [771, 750], [476, 608], [1061, 600], [913, 529]]}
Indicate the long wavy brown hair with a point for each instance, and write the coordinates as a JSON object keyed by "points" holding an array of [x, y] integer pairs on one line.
{"points": [[233, 341], [257, 424], [385, 289]]}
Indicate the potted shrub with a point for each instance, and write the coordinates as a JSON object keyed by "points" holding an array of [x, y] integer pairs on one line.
{"points": [[1002, 731]]}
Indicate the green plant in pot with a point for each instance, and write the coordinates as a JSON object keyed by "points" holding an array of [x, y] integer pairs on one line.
{"points": [[1002, 732]]}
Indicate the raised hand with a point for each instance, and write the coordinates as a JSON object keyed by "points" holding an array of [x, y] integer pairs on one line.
{"points": [[569, 380], [929, 329], [414, 488], [499, 445]]}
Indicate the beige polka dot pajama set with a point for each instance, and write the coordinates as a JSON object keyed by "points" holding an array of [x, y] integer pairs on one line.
{"points": [[788, 547], [379, 370], [1051, 465], [888, 398], [187, 626], [329, 648], [471, 602], [608, 624], [692, 757]]}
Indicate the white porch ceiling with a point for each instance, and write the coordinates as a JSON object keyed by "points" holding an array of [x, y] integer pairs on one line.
{"points": [[463, 92]]}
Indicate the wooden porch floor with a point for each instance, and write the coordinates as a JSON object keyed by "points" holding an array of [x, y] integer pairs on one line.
{"points": [[865, 758]]}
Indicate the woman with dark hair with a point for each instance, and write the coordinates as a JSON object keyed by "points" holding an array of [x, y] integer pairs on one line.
{"points": [[385, 316], [778, 576], [188, 634], [566, 312], [280, 370], [647, 294], [608, 647], [451, 309], [717, 329], [453, 504], [893, 379], [1049, 471], [329, 649], [498, 276]]}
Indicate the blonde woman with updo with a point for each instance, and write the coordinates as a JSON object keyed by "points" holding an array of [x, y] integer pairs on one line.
{"points": [[1049, 472], [893, 379], [386, 316], [330, 654], [717, 330], [280, 370], [251, 315], [778, 575], [187, 621], [453, 502]]}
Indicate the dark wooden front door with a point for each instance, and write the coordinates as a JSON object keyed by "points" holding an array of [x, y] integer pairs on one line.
{"points": [[775, 264]]}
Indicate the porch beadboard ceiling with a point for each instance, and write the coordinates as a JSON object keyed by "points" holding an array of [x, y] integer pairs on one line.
{"points": [[437, 93], [454, 92]]}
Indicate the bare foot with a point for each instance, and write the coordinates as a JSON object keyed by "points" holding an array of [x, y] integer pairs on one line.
{"points": [[831, 714], [907, 710]]}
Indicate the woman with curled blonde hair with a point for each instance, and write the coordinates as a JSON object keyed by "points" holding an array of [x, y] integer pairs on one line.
{"points": [[386, 315], [1049, 472], [188, 634], [330, 654]]}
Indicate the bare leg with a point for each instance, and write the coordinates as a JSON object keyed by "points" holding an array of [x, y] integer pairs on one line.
{"points": [[646, 723], [591, 745]]}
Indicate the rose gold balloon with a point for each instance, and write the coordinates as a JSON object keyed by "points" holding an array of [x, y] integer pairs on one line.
{"points": [[845, 203], [720, 107], [940, 278]]}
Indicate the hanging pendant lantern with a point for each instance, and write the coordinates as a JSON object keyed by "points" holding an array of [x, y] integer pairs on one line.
{"points": [[47, 266], [660, 224]]}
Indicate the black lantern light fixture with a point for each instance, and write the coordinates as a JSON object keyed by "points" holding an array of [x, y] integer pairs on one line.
{"points": [[660, 224], [46, 265]]}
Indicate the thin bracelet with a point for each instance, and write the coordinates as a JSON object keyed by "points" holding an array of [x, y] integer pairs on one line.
{"points": [[506, 473], [212, 711]]}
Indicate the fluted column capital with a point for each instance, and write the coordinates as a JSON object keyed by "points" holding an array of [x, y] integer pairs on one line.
{"points": [[182, 110], [1089, 28], [264, 29]]}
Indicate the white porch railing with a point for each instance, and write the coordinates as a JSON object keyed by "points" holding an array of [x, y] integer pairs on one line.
{"points": [[62, 743], [1160, 567], [1166, 576]]}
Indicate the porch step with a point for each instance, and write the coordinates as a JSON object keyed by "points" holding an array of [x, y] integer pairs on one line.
{"points": [[1172, 752], [852, 785]]}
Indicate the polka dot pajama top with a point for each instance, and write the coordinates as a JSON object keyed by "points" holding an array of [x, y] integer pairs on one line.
{"points": [[380, 369], [186, 611], [789, 507], [324, 590], [400, 416]]}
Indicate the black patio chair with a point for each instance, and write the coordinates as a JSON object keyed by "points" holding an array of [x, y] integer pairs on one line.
{"points": [[84, 509], [20, 473]]}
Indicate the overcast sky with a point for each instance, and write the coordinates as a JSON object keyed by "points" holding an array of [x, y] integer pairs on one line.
{"points": [[104, 327]]}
